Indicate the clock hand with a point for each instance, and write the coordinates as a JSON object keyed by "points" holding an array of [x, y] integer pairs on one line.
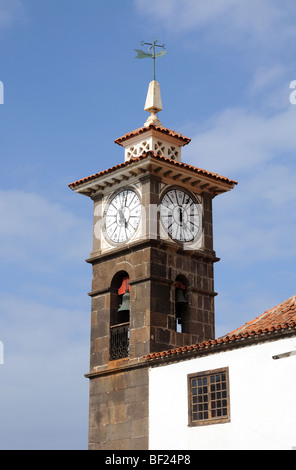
{"points": [[121, 217], [180, 215]]}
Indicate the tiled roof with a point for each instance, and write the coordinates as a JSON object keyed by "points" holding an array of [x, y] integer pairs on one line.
{"points": [[143, 130], [282, 314], [156, 157], [278, 319], [98, 175]]}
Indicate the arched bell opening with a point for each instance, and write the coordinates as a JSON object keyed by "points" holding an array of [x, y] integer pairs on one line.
{"points": [[181, 304], [120, 298], [119, 316]]}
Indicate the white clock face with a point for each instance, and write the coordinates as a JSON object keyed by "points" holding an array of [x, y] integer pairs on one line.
{"points": [[180, 215], [123, 216]]}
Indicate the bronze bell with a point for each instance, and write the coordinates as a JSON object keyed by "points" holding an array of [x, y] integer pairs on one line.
{"points": [[125, 306], [180, 297]]}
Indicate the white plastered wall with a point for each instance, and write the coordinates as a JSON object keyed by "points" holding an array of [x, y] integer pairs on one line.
{"points": [[262, 408]]}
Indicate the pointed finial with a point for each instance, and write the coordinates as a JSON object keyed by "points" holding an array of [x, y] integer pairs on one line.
{"points": [[153, 103]]}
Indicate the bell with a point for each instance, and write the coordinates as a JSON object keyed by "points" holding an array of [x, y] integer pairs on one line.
{"points": [[125, 306], [180, 298]]}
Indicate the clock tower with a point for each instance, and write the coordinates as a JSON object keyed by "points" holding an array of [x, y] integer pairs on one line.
{"points": [[152, 262]]}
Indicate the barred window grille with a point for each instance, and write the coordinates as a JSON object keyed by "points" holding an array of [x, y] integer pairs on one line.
{"points": [[119, 341]]}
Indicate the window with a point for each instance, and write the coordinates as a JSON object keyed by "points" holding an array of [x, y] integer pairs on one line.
{"points": [[208, 397]]}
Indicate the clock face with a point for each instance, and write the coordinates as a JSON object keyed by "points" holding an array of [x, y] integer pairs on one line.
{"points": [[123, 216], [180, 215]]}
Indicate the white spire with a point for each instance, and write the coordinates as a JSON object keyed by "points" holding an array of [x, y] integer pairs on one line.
{"points": [[153, 103]]}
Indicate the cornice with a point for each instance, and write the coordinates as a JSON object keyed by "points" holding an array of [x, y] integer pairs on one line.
{"points": [[196, 179]]}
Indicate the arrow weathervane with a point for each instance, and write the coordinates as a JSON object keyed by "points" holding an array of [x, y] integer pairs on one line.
{"points": [[146, 55]]}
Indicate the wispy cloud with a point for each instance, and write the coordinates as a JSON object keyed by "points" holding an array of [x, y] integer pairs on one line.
{"points": [[266, 77], [265, 23], [35, 228], [10, 11], [259, 151], [237, 140]]}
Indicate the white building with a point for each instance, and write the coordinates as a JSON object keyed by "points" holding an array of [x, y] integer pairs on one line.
{"points": [[234, 393]]}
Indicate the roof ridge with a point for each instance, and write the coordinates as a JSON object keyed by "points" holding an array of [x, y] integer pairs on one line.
{"points": [[143, 129]]}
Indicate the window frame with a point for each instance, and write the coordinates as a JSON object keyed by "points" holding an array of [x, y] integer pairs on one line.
{"points": [[210, 420]]}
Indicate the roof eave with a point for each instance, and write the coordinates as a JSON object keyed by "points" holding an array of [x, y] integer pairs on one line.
{"points": [[95, 182], [222, 344], [153, 128]]}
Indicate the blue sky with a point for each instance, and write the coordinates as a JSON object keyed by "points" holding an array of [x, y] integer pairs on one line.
{"points": [[71, 87]]}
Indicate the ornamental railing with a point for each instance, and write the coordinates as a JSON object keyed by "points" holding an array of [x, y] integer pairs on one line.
{"points": [[119, 341]]}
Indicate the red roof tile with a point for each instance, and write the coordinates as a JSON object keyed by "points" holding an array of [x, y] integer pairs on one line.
{"points": [[156, 157], [280, 318], [143, 130], [98, 175]]}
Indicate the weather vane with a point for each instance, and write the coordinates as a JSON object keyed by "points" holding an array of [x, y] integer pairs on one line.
{"points": [[146, 55]]}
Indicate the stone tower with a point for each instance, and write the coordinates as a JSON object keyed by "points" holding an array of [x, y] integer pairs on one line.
{"points": [[152, 262]]}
